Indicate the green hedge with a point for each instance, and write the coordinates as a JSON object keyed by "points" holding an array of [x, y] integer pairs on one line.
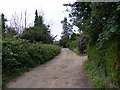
{"points": [[103, 65], [19, 55]]}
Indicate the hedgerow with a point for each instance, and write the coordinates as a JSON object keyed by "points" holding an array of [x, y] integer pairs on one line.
{"points": [[19, 55], [100, 23], [102, 65]]}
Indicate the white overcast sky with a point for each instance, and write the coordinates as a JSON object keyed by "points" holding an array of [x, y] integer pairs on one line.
{"points": [[54, 11]]}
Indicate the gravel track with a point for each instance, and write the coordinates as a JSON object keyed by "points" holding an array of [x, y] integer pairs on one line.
{"points": [[63, 71]]}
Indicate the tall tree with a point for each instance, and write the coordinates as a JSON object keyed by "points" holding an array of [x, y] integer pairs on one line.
{"points": [[67, 30], [3, 20], [7, 32], [3, 25], [36, 18], [91, 18], [100, 23]]}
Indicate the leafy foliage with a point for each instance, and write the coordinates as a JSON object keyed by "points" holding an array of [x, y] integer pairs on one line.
{"points": [[94, 18], [19, 56], [10, 33], [7, 32], [67, 30], [100, 23], [73, 45], [39, 32], [73, 36], [81, 44], [98, 79], [78, 43], [3, 20], [105, 62]]}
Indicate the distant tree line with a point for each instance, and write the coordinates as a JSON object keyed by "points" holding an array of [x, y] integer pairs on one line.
{"points": [[70, 39], [40, 32]]}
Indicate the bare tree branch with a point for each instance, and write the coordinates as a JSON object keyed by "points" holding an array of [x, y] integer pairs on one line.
{"points": [[19, 22]]}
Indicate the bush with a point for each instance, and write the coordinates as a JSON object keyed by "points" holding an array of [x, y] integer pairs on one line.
{"points": [[73, 45], [38, 34], [19, 55], [81, 44], [38, 52], [105, 62], [98, 79]]}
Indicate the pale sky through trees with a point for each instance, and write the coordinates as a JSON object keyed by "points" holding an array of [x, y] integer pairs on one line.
{"points": [[54, 11]]}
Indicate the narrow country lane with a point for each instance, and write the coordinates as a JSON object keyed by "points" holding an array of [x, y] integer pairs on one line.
{"points": [[64, 71]]}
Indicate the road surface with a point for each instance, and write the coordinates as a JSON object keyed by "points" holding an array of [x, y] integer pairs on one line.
{"points": [[64, 71]]}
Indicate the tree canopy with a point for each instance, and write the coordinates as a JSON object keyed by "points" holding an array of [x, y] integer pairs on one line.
{"points": [[39, 32], [8, 32], [100, 21], [67, 30]]}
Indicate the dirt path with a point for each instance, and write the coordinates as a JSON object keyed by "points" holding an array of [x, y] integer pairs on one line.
{"points": [[64, 71]]}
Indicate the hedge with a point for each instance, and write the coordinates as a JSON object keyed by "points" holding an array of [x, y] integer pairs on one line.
{"points": [[19, 55], [104, 64]]}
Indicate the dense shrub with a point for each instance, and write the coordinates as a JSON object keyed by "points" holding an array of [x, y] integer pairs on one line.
{"points": [[99, 80], [81, 44], [19, 55], [100, 22], [64, 42], [105, 62], [40, 32], [73, 45], [40, 53]]}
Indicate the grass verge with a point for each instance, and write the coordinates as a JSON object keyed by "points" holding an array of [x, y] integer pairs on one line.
{"points": [[98, 79], [78, 53]]}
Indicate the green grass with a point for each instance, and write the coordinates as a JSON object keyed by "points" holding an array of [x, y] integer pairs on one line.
{"points": [[103, 64], [78, 53], [98, 79]]}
